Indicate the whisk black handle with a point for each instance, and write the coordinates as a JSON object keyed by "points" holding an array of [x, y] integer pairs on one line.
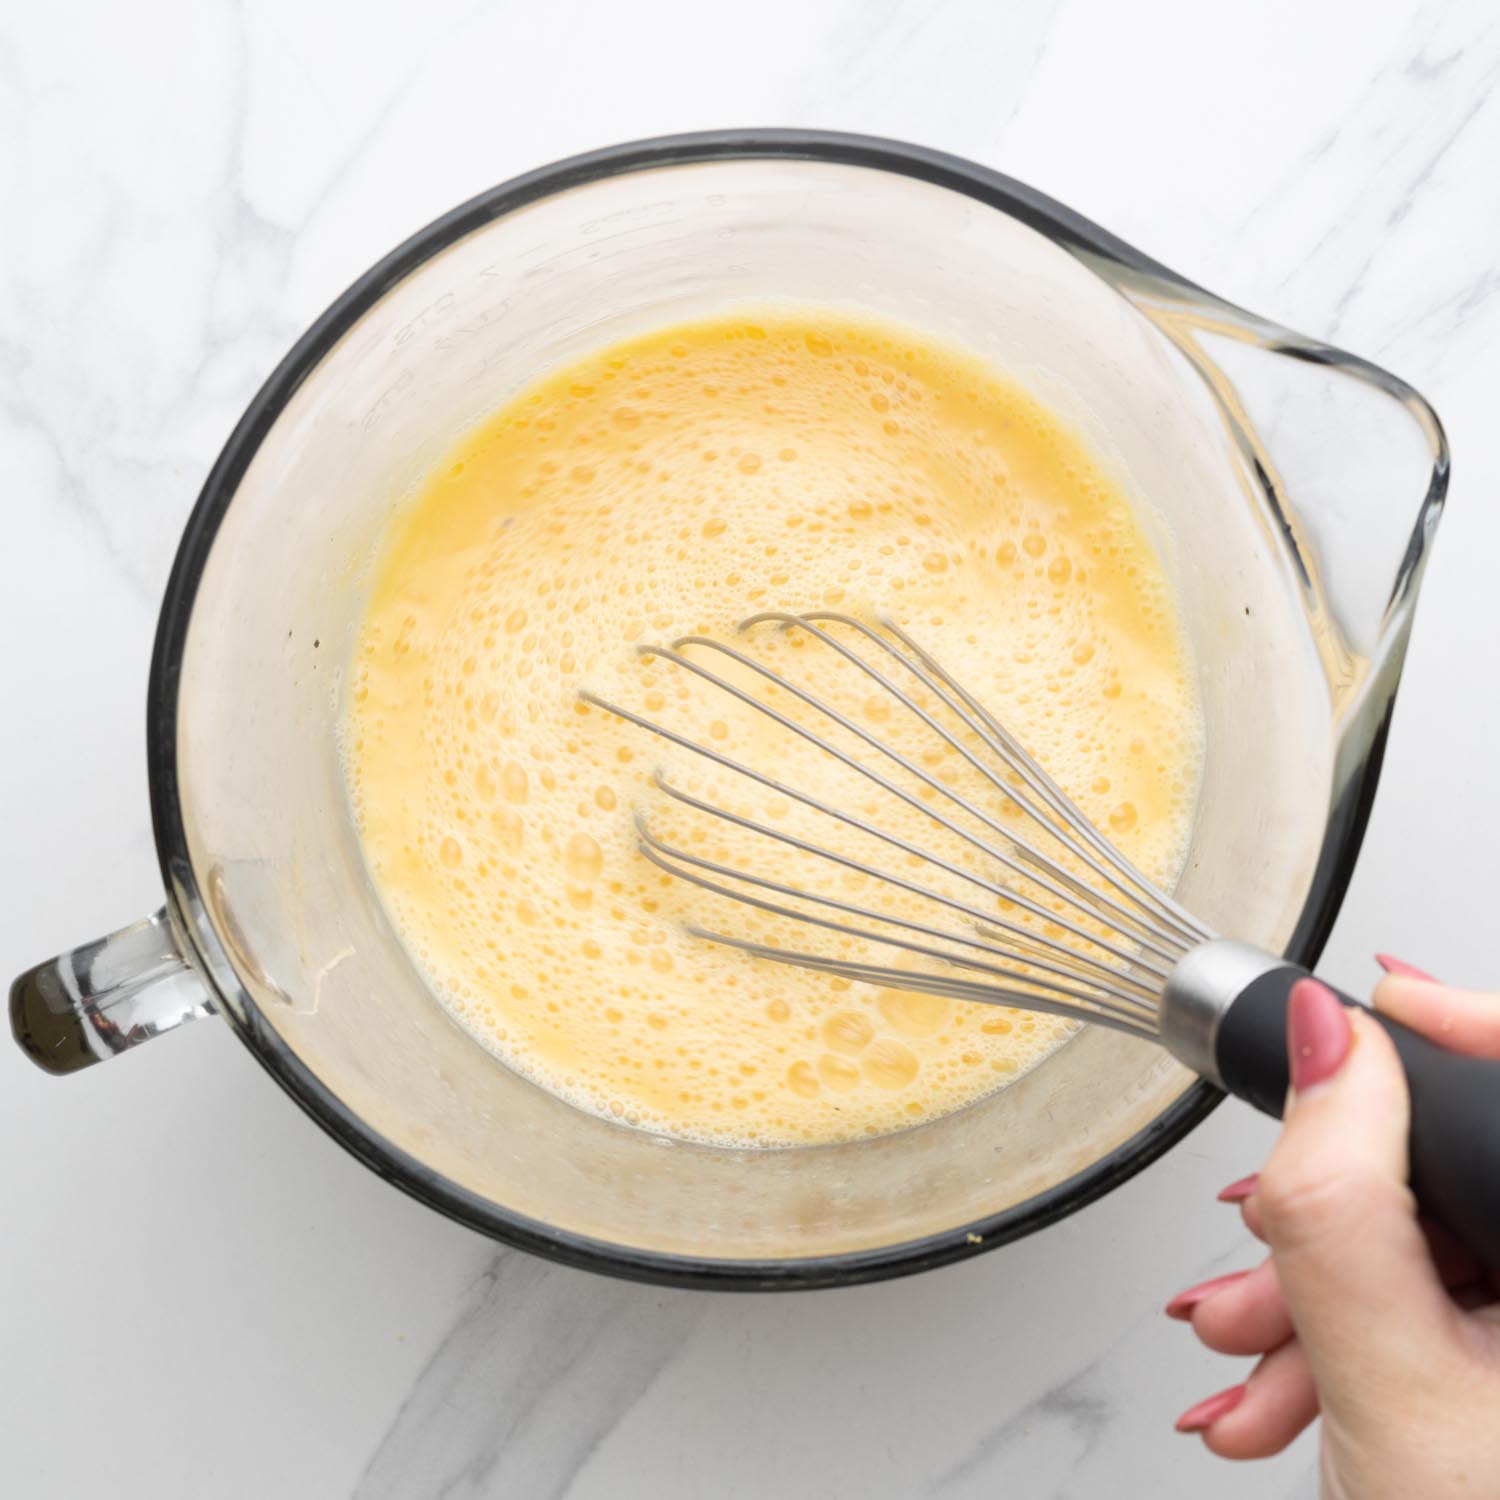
{"points": [[1455, 1100]]}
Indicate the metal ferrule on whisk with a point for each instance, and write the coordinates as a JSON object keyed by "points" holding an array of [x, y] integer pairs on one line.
{"points": [[1208, 979]]}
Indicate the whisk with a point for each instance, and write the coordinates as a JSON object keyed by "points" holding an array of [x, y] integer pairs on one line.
{"points": [[1037, 910]]}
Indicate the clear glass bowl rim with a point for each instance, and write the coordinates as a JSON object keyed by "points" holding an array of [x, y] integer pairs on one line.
{"points": [[1059, 224]]}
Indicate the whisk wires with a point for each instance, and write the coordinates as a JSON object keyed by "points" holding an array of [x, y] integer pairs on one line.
{"points": [[1101, 937]]}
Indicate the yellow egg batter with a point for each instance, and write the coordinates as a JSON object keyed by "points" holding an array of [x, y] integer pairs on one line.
{"points": [[673, 484]]}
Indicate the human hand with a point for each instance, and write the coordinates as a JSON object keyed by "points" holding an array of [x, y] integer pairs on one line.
{"points": [[1362, 1313]]}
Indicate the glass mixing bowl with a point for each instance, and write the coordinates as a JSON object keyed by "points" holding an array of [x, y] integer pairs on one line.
{"points": [[1291, 489]]}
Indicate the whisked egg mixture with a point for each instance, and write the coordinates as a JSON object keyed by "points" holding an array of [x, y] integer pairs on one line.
{"points": [[673, 484]]}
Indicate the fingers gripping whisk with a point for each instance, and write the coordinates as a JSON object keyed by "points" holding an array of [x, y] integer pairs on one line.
{"points": [[940, 858]]}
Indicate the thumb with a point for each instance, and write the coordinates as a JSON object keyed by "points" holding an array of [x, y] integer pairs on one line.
{"points": [[1353, 1263]]}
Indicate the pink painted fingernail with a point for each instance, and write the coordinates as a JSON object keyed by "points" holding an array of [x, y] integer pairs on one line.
{"points": [[1203, 1416], [1181, 1306], [1400, 967], [1238, 1191], [1318, 1034]]}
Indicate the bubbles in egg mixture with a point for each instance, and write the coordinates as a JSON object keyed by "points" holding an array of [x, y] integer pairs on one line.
{"points": [[672, 485]]}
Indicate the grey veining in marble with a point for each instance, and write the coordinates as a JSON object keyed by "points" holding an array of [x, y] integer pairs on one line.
{"points": [[480, 1422], [203, 1295]]}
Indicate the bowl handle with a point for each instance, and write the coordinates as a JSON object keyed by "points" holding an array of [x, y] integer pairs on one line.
{"points": [[109, 995]]}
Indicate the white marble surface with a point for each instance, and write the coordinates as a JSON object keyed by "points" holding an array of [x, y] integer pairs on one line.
{"points": [[200, 1295]]}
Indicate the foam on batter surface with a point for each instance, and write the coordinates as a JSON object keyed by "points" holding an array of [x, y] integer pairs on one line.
{"points": [[673, 484]]}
